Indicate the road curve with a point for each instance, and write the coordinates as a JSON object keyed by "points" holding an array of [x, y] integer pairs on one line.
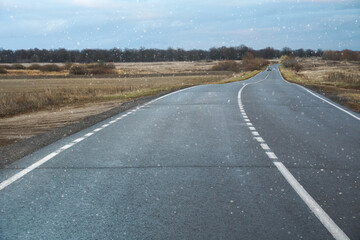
{"points": [[258, 159]]}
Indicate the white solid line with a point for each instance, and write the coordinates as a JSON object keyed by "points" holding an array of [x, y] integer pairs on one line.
{"points": [[265, 146], [255, 133], [78, 140], [259, 139], [98, 129], [88, 134], [67, 146], [271, 155], [27, 170], [105, 125], [349, 113], [252, 128], [113, 121], [312, 204]]}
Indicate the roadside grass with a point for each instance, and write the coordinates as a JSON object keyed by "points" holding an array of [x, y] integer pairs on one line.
{"points": [[240, 77], [341, 84], [26, 88], [27, 95]]}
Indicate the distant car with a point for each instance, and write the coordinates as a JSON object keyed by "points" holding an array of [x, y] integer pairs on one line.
{"points": [[269, 69]]}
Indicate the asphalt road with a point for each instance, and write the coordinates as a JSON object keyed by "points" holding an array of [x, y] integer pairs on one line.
{"points": [[208, 162]]}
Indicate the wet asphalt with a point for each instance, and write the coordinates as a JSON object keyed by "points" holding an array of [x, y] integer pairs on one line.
{"points": [[188, 166]]}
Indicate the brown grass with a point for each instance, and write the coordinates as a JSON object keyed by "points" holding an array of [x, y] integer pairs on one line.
{"points": [[20, 93], [24, 95], [338, 80], [35, 104], [248, 64]]}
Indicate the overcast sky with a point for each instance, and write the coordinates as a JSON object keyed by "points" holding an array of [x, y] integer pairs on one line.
{"points": [[188, 24]]}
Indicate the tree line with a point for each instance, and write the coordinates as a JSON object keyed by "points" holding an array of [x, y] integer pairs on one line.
{"points": [[146, 55]]}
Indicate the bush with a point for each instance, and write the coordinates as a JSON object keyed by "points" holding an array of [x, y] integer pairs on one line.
{"points": [[16, 66], [344, 55], [78, 69], [254, 64], [67, 65], [34, 66], [229, 65], [93, 68], [2, 70], [290, 62], [250, 63], [51, 68]]}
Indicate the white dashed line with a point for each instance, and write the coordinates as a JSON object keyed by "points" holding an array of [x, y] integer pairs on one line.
{"points": [[271, 155], [78, 140], [330, 225], [264, 146], [252, 128], [67, 146], [255, 133], [259, 139]]}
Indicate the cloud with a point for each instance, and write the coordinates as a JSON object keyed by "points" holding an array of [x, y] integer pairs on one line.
{"points": [[252, 31]]}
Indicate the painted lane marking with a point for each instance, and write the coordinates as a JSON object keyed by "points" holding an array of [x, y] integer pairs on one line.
{"points": [[40, 162], [259, 139], [328, 102], [67, 146], [330, 225], [78, 140], [345, 111], [22, 173], [249, 124], [89, 134], [271, 155], [255, 133], [264, 146], [311, 203], [252, 128]]}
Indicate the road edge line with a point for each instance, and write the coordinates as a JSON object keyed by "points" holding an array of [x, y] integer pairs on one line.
{"points": [[330, 103], [324, 218], [315, 95], [51, 155]]}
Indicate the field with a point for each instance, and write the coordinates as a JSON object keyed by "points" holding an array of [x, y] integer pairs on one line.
{"points": [[33, 102], [337, 80]]}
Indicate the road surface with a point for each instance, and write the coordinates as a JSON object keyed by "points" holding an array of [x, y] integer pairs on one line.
{"points": [[258, 159]]}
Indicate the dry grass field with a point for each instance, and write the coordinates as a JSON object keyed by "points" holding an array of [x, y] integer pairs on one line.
{"points": [[32, 101], [338, 80]]}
